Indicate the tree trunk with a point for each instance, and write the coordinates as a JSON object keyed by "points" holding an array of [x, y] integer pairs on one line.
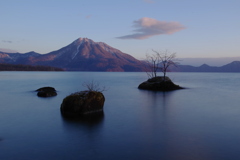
{"points": [[164, 76]]}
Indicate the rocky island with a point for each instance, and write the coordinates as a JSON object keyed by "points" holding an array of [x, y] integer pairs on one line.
{"points": [[159, 83], [82, 104]]}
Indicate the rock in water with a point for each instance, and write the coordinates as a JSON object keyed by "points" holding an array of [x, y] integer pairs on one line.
{"points": [[82, 103], [159, 84], [46, 92]]}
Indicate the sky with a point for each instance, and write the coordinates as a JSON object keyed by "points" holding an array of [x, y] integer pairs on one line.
{"points": [[189, 28]]}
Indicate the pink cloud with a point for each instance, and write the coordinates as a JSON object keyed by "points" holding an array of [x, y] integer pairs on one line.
{"points": [[148, 27], [88, 16]]}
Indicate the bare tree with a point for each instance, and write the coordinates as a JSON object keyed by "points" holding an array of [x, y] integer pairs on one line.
{"points": [[152, 65], [160, 61], [94, 86]]}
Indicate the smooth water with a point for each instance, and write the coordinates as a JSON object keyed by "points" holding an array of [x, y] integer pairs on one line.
{"points": [[197, 123]]}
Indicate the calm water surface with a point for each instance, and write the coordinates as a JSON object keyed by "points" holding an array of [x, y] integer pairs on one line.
{"points": [[197, 123]]}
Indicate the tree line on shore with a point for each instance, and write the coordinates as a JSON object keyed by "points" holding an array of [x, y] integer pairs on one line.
{"points": [[20, 67]]}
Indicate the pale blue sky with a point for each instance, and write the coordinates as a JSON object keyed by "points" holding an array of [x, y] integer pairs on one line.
{"points": [[191, 28]]}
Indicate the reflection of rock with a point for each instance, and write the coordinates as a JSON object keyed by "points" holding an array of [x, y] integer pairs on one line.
{"points": [[89, 119], [46, 92], [158, 84], [84, 103]]}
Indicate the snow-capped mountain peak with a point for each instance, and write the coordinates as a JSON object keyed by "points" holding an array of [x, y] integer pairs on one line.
{"points": [[79, 41]]}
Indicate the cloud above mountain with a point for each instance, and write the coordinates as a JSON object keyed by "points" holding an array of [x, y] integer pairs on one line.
{"points": [[148, 27]]}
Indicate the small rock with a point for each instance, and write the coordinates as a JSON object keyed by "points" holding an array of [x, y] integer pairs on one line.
{"points": [[46, 92]]}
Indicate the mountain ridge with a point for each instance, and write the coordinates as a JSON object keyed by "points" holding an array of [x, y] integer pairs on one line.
{"points": [[83, 54], [230, 67]]}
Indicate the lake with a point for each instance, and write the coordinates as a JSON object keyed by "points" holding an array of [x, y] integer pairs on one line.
{"points": [[200, 122]]}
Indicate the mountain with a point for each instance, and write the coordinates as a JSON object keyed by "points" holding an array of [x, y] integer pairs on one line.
{"points": [[17, 58], [230, 67], [82, 54], [218, 61]]}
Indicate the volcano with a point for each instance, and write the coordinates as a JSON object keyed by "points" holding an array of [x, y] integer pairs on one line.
{"points": [[83, 54]]}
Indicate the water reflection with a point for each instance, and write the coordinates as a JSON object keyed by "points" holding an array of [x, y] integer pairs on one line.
{"points": [[197, 123], [85, 120], [83, 135], [156, 98], [162, 119]]}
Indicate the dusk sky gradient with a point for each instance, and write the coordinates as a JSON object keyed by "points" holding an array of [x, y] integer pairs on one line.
{"points": [[191, 28]]}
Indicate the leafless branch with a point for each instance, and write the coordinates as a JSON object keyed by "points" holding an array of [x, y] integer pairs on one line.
{"points": [[94, 86], [160, 61]]}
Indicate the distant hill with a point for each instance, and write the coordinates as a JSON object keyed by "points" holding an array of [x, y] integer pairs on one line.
{"points": [[217, 61], [231, 67], [81, 55]]}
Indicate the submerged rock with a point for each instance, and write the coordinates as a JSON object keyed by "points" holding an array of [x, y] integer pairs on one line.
{"points": [[159, 84], [82, 103], [46, 92]]}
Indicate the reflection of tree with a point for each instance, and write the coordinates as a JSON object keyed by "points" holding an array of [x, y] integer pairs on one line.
{"points": [[157, 104], [157, 97]]}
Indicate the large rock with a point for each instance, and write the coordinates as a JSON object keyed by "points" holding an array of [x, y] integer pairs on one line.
{"points": [[46, 92], [159, 84], [82, 103]]}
